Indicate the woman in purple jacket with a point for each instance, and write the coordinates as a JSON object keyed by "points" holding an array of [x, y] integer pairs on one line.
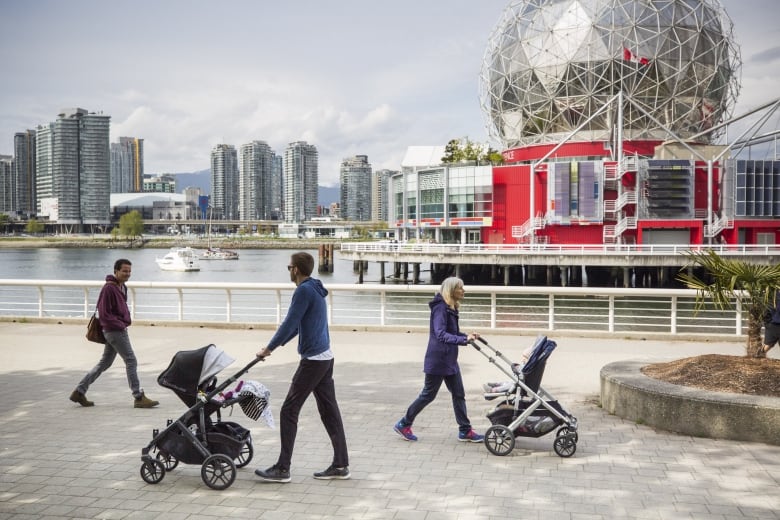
{"points": [[441, 362]]}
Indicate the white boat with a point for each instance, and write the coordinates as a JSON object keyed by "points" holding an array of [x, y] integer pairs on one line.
{"points": [[179, 259], [215, 253]]}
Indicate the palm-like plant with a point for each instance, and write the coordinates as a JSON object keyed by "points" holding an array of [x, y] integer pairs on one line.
{"points": [[728, 281]]}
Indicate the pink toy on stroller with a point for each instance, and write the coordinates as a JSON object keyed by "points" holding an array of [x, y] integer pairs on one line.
{"points": [[194, 438]]}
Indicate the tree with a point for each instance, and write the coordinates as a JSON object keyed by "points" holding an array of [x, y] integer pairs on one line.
{"points": [[752, 286], [131, 225], [452, 152], [466, 150], [4, 221], [492, 156], [34, 227]]}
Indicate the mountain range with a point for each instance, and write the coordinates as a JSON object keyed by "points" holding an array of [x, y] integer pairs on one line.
{"points": [[202, 179]]}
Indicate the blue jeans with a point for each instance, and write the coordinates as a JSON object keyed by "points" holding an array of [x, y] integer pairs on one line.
{"points": [[428, 394], [117, 342]]}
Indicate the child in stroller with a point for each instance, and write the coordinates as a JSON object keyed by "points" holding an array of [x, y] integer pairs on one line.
{"points": [[194, 438], [526, 409]]}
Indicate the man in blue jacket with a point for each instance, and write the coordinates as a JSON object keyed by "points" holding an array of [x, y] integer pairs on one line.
{"points": [[772, 325], [307, 318]]}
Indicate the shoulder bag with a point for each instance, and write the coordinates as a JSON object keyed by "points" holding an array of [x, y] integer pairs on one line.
{"points": [[94, 330]]}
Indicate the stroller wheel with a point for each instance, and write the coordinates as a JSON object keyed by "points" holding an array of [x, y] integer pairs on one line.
{"points": [[567, 431], [499, 440], [168, 461], [245, 457], [218, 471], [152, 471], [565, 445]]}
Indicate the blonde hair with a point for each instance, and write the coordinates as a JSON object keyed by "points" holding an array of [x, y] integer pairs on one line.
{"points": [[448, 287]]}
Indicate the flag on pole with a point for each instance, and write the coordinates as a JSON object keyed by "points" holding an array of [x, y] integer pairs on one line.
{"points": [[630, 56]]}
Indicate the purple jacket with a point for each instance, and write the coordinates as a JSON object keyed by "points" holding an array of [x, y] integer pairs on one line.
{"points": [[112, 306], [441, 358]]}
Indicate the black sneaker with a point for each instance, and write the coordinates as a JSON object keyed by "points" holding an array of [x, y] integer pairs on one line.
{"points": [[274, 474], [333, 473]]}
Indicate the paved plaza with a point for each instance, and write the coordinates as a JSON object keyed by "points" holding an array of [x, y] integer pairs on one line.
{"points": [[60, 460]]}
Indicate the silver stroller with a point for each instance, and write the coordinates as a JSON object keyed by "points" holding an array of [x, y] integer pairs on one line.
{"points": [[526, 409]]}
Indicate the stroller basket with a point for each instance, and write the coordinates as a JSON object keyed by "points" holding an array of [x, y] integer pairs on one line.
{"points": [[540, 422], [223, 437]]}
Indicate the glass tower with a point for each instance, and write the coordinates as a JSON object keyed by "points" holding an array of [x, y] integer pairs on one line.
{"points": [[300, 182], [355, 182], [24, 172], [256, 178], [73, 168], [127, 165], [224, 181]]}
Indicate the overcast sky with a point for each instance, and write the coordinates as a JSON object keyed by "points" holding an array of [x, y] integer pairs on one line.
{"points": [[349, 76]]}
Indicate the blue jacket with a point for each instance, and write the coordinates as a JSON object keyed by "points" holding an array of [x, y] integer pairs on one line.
{"points": [[307, 318], [441, 358], [113, 313], [773, 313]]}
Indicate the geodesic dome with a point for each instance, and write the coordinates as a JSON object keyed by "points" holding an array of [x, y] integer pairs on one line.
{"points": [[551, 64]]}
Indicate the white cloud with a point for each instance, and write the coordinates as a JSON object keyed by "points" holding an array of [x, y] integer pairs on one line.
{"points": [[186, 75]]}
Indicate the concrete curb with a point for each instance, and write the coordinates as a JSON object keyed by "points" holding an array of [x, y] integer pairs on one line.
{"points": [[629, 394]]}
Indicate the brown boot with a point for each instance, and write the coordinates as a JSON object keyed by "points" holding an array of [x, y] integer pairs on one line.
{"points": [[145, 402], [78, 397]]}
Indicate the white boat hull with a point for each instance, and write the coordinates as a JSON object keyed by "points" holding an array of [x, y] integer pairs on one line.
{"points": [[219, 254], [179, 259]]}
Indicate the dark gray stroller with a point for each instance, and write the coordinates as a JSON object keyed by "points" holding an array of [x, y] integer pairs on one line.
{"points": [[526, 409], [194, 438]]}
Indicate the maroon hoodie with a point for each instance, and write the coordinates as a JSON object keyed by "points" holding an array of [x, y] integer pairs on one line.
{"points": [[112, 306]]}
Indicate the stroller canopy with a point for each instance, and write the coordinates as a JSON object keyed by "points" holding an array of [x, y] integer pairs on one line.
{"points": [[542, 349], [191, 368]]}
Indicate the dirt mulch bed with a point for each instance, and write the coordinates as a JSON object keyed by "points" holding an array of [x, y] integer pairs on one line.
{"points": [[720, 373]]}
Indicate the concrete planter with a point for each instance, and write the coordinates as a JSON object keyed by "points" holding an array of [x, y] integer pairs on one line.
{"points": [[629, 394]]}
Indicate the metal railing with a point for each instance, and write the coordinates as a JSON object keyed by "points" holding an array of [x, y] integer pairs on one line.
{"points": [[582, 309], [731, 250]]}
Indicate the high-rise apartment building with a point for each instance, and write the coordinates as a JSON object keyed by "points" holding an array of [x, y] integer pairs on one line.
{"points": [[255, 178], [7, 184], [277, 188], [73, 168], [127, 165], [24, 172], [224, 182], [355, 184], [380, 194], [300, 182]]}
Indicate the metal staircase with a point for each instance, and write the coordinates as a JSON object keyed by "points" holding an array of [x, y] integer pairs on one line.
{"points": [[711, 231], [529, 228], [613, 208]]}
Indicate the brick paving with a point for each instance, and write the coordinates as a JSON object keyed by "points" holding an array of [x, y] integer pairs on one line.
{"points": [[61, 461]]}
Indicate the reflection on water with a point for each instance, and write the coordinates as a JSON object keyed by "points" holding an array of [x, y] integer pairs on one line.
{"points": [[254, 265]]}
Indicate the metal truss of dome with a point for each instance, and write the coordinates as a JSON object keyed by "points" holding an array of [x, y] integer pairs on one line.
{"points": [[551, 64]]}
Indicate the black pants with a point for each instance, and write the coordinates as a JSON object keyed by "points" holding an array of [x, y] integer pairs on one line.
{"points": [[312, 377]]}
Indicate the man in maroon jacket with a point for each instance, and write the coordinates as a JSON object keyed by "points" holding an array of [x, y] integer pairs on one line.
{"points": [[114, 318]]}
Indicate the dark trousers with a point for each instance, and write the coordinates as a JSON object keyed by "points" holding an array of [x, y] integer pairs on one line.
{"points": [[428, 394], [312, 377]]}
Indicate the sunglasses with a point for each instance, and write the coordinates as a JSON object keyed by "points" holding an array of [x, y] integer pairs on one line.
{"points": [[290, 267]]}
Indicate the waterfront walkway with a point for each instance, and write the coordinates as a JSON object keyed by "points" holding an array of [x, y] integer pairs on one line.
{"points": [[63, 461]]}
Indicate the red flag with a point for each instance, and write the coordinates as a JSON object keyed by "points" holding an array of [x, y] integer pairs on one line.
{"points": [[630, 56]]}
